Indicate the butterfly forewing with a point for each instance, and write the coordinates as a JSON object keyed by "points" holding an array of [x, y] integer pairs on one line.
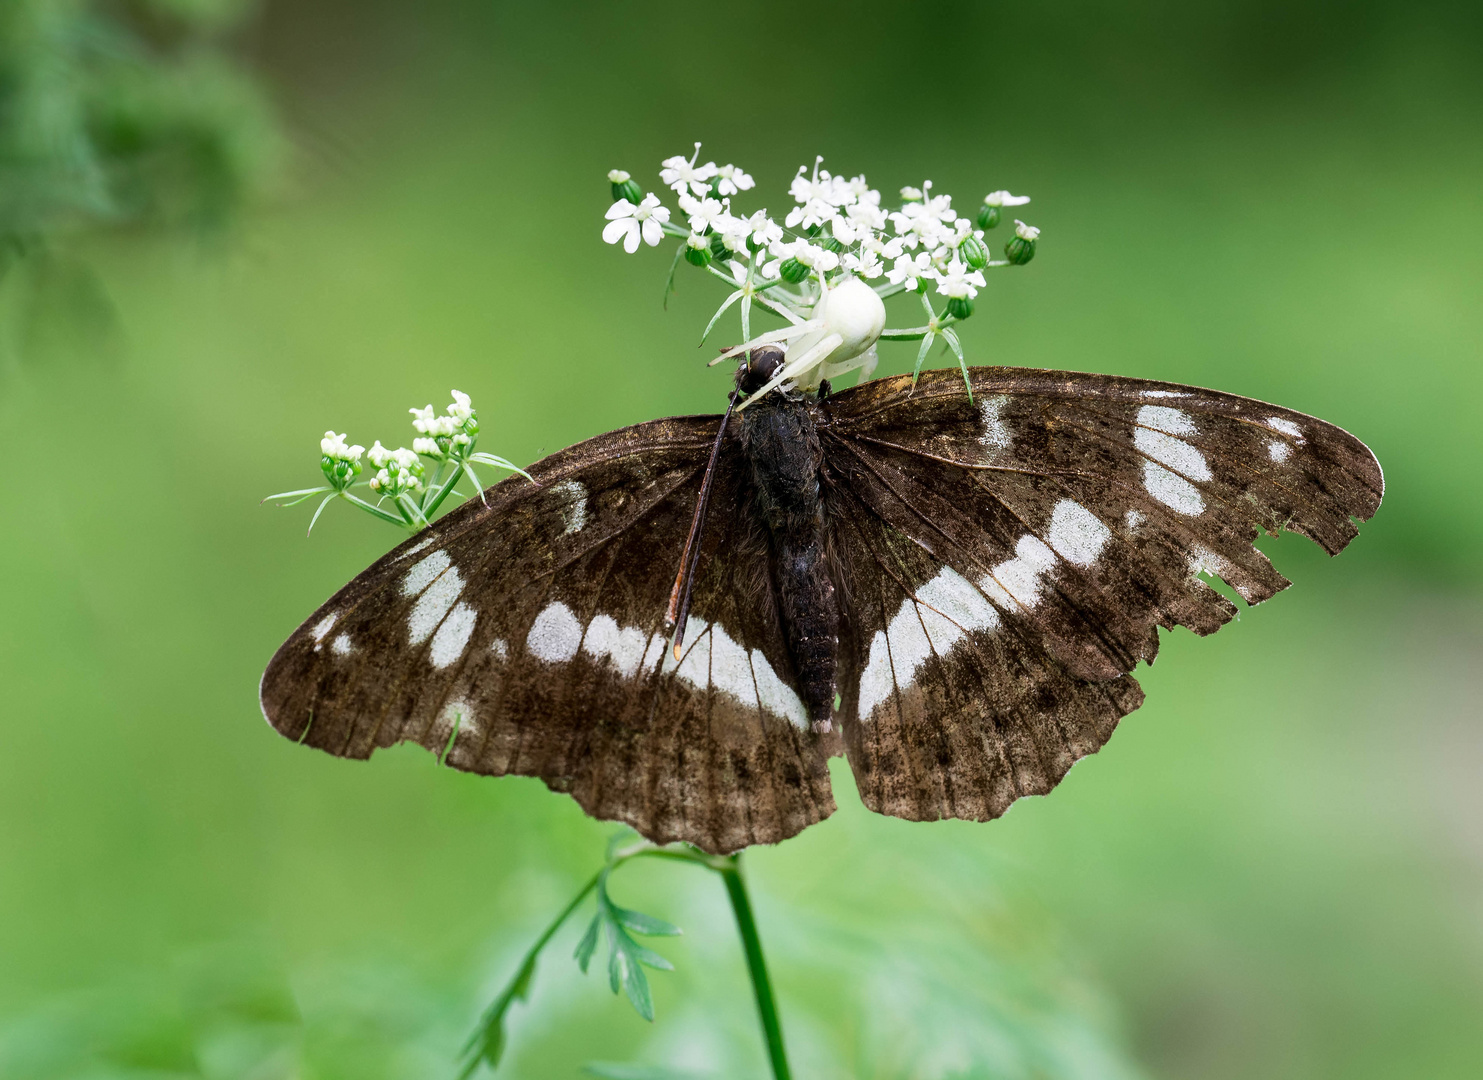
{"points": [[526, 637]]}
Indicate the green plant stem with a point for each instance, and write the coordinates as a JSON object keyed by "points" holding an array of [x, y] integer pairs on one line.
{"points": [[746, 925]]}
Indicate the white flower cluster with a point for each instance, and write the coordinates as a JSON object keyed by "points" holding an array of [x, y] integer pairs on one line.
{"points": [[836, 228], [333, 447], [399, 471], [339, 463], [452, 433]]}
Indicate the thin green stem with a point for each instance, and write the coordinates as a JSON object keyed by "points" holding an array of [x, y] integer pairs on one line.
{"points": [[440, 493], [489, 1030], [746, 925], [403, 521]]}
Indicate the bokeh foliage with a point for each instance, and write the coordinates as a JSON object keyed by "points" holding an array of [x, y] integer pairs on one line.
{"points": [[1273, 869]]}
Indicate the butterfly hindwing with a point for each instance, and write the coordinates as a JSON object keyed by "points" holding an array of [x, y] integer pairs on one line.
{"points": [[952, 705], [525, 636]]}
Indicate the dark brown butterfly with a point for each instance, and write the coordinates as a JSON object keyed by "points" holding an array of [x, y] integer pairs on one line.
{"points": [[950, 591]]}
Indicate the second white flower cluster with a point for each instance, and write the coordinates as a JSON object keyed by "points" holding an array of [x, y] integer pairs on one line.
{"points": [[837, 227]]}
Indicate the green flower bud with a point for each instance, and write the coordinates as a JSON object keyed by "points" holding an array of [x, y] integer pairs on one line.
{"points": [[833, 245], [625, 187], [988, 217], [719, 251], [698, 256], [338, 472], [1021, 248], [960, 307], [793, 271], [974, 253]]}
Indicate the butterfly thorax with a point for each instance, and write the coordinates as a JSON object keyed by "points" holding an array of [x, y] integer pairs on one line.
{"points": [[781, 441]]}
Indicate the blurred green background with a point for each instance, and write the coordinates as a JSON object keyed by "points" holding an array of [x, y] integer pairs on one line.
{"points": [[1275, 868]]}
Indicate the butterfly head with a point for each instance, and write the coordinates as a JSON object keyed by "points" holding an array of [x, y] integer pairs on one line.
{"points": [[762, 364]]}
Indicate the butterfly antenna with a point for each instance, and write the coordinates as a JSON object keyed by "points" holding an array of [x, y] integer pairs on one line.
{"points": [[679, 597]]}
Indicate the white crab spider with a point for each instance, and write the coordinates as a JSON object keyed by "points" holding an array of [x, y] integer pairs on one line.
{"points": [[839, 336]]}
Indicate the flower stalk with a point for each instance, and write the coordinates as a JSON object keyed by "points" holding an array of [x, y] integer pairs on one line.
{"points": [[487, 1045]]}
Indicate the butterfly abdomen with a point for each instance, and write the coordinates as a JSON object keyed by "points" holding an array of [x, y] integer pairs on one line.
{"points": [[782, 445]]}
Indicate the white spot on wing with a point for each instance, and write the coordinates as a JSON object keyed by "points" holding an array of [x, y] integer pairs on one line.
{"points": [[996, 431], [1076, 533], [323, 627], [1172, 490], [457, 715], [424, 573], [623, 646], [1163, 418], [1133, 519], [453, 635], [655, 652], [875, 680], [1017, 581], [942, 612], [341, 646], [714, 659], [573, 498], [1174, 453], [774, 695], [1287, 427], [695, 662], [1164, 393], [434, 603], [1155, 438], [1204, 561], [421, 545], [731, 668], [499, 648], [555, 635], [1278, 451]]}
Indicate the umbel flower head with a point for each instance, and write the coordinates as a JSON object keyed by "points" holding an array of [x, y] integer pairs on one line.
{"points": [[827, 265], [406, 494]]}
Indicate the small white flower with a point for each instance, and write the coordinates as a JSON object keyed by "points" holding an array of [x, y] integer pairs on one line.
{"points": [[958, 281], [618, 176], [861, 191], [734, 235], [1004, 198], [1025, 232], [705, 213], [911, 194], [401, 457], [429, 446], [462, 408], [678, 173], [731, 180], [845, 231], [765, 231], [696, 241], [866, 214], [631, 222], [907, 269], [867, 263], [815, 257], [333, 446]]}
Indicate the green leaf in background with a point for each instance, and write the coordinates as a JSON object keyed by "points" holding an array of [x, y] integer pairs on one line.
{"points": [[588, 944], [626, 957]]}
